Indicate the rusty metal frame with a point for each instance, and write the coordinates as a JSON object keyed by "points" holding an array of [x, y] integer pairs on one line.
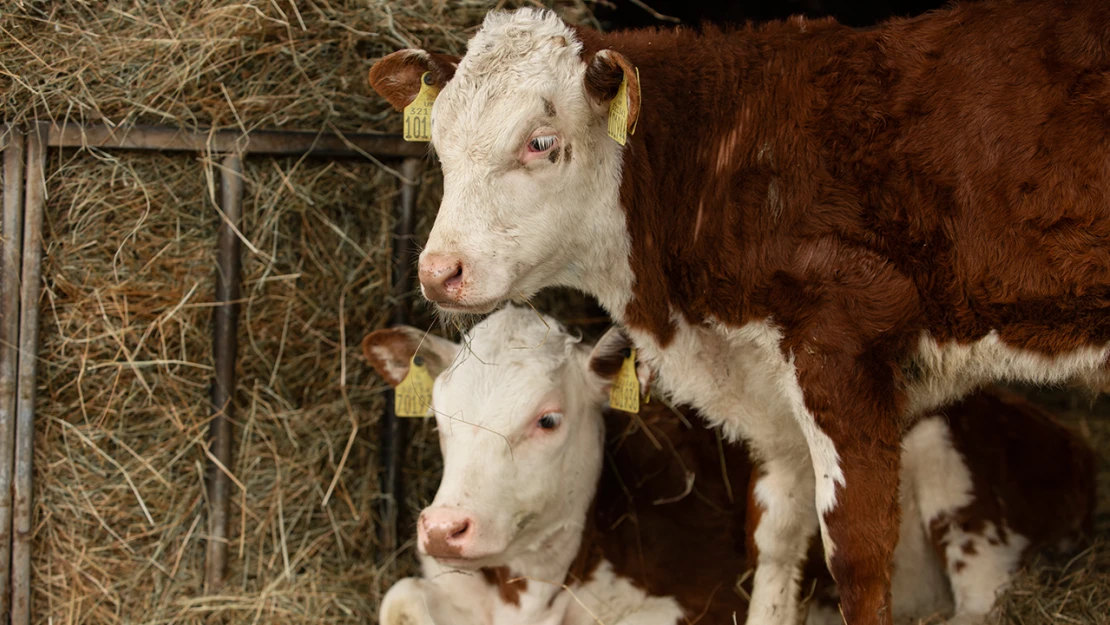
{"points": [[20, 290], [11, 257], [394, 431]]}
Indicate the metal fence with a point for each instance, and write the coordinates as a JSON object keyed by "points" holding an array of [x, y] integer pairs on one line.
{"points": [[24, 194]]}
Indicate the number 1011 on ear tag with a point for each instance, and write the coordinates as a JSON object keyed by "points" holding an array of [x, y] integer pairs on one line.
{"points": [[625, 393], [418, 114], [413, 396]]}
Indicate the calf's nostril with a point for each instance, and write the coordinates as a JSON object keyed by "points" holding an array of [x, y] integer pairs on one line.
{"points": [[462, 530], [455, 280]]}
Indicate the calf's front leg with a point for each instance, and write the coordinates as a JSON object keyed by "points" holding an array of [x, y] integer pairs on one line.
{"points": [[781, 524], [851, 422]]}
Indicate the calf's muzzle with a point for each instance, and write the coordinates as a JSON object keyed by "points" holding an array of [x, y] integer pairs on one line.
{"points": [[441, 277], [446, 533]]}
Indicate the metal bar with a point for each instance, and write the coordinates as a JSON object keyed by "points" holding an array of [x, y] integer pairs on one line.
{"points": [[225, 346], [11, 254], [35, 199], [394, 431], [293, 143]]}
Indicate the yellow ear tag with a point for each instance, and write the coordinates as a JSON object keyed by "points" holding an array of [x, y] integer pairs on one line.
{"points": [[618, 112], [413, 396], [418, 115], [625, 393]]}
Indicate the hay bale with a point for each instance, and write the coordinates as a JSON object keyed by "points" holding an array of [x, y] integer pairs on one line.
{"points": [[223, 63], [213, 63]]}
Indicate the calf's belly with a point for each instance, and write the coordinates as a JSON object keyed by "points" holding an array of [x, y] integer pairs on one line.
{"points": [[939, 373]]}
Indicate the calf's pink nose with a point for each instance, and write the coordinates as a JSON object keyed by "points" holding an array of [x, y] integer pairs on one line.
{"points": [[446, 533], [442, 277]]}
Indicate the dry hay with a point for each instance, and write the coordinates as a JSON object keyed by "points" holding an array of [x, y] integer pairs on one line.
{"points": [[126, 349], [211, 63], [239, 64], [1062, 590]]}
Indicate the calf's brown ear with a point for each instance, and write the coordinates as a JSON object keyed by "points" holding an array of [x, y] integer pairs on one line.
{"points": [[604, 74], [390, 350], [609, 354], [397, 77]]}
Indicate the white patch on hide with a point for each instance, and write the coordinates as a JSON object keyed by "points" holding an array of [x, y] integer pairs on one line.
{"points": [[986, 573], [615, 599], [949, 371]]}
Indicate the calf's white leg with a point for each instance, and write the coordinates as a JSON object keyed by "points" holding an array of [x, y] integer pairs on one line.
{"points": [[406, 603], [787, 521]]}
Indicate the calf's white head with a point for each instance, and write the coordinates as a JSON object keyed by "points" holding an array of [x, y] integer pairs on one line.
{"points": [[518, 410], [530, 176]]}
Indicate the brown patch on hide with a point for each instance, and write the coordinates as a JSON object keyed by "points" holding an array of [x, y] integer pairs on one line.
{"points": [[688, 547], [396, 77], [389, 351], [509, 586]]}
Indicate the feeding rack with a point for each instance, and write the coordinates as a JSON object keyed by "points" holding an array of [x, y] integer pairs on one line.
{"points": [[24, 192]]}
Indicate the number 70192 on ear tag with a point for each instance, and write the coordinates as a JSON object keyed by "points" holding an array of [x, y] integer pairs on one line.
{"points": [[413, 396]]}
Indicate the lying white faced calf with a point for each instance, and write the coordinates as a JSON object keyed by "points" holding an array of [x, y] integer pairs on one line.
{"points": [[520, 416]]}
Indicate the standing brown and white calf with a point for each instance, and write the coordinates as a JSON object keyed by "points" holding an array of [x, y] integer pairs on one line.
{"points": [[815, 234], [656, 533]]}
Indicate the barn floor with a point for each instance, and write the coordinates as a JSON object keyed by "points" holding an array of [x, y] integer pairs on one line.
{"points": [[1070, 588]]}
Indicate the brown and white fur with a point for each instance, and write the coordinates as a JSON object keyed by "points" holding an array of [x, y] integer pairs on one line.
{"points": [[815, 236]]}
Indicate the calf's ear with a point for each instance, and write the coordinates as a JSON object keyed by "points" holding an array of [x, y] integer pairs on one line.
{"points": [[604, 74], [610, 353], [397, 77], [390, 350]]}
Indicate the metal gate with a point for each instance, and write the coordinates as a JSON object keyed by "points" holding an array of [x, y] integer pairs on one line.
{"points": [[24, 194]]}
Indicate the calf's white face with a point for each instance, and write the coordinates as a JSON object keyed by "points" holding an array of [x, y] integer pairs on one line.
{"points": [[530, 175], [518, 410]]}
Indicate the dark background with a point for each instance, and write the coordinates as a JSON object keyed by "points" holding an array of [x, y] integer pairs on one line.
{"points": [[626, 14]]}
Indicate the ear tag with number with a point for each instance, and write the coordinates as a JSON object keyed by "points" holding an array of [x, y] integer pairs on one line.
{"points": [[418, 115], [625, 392], [618, 112], [413, 396]]}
